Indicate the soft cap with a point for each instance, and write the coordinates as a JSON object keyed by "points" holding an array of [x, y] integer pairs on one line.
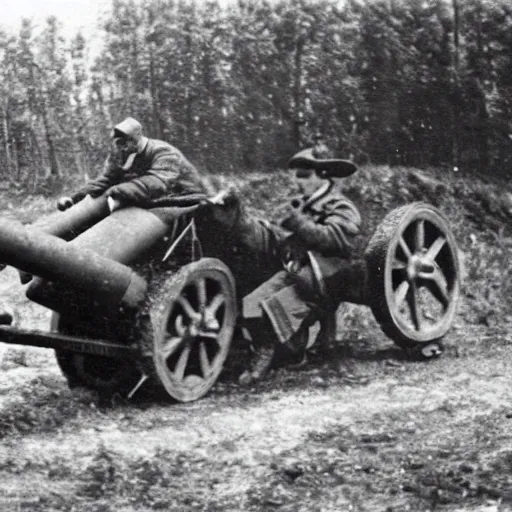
{"points": [[130, 128]]}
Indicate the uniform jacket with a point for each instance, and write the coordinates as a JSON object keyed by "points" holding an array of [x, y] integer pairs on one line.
{"points": [[325, 225], [158, 170], [316, 240]]}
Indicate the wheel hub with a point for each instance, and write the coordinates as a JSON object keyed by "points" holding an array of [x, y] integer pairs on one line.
{"points": [[198, 326], [419, 265]]}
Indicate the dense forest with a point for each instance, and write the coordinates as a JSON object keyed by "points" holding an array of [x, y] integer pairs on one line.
{"points": [[242, 85]]}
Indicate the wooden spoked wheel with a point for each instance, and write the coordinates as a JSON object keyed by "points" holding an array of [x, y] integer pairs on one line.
{"points": [[102, 373], [414, 276], [194, 317]]}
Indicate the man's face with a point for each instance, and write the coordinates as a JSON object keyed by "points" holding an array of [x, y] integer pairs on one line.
{"points": [[124, 146], [308, 181]]}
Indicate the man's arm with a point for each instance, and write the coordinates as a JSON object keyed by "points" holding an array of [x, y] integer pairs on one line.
{"points": [[95, 188], [335, 235], [157, 181]]}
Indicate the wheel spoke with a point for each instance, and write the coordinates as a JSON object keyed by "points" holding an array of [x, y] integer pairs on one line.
{"points": [[412, 300], [181, 365], [401, 292], [420, 235], [210, 321], [436, 247], [189, 310], [208, 334], [437, 287], [179, 326], [170, 346], [203, 360], [405, 247], [216, 303], [398, 265], [201, 293]]}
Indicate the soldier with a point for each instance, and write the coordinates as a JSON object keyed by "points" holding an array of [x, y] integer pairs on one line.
{"points": [[314, 241], [139, 171]]}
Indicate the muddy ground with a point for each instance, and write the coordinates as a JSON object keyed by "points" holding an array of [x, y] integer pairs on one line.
{"points": [[365, 430]]}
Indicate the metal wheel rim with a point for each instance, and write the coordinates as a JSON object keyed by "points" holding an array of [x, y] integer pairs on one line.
{"points": [[190, 350], [422, 258]]}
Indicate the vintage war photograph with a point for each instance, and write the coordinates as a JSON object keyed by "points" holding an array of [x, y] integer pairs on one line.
{"points": [[256, 255]]}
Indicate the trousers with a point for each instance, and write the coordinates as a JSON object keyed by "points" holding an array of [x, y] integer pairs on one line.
{"points": [[290, 301]]}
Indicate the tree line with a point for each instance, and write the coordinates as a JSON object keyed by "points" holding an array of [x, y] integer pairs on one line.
{"points": [[244, 85]]}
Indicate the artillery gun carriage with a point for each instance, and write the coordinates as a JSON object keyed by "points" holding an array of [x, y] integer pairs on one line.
{"points": [[153, 293]]}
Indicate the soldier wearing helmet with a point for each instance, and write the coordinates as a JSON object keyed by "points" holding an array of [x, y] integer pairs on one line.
{"points": [[139, 171]]}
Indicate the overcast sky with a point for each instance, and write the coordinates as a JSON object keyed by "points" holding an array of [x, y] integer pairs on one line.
{"points": [[73, 14]]}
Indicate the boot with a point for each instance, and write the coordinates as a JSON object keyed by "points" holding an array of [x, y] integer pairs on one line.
{"points": [[294, 354], [260, 365], [263, 338], [326, 334]]}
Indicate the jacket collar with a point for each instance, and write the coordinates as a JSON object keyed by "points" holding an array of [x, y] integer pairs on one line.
{"points": [[141, 146], [129, 161], [318, 195]]}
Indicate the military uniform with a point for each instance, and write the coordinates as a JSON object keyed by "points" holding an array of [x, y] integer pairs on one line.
{"points": [[315, 242], [155, 170], [158, 170]]}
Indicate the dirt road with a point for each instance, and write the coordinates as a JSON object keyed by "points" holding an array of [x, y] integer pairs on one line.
{"points": [[364, 431]]}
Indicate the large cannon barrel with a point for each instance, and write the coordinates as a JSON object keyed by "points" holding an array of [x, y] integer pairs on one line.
{"points": [[54, 259], [70, 223], [75, 220], [89, 211], [123, 237]]}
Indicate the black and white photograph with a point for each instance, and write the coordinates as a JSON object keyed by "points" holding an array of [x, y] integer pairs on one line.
{"points": [[256, 255]]}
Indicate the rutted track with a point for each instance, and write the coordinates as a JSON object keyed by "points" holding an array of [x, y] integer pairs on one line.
{"points": [[359, 433]]}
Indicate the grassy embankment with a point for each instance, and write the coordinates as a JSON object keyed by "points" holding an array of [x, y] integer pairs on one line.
{"points": [[404, 454], [479, 212]]}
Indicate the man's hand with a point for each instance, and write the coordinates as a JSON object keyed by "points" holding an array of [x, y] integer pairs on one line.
{"points": [[64, 203], [228, 198], [113, 204], [225, 207], [293, 253]]}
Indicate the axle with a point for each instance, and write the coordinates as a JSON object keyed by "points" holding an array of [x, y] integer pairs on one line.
{"points": [[59, 341]]}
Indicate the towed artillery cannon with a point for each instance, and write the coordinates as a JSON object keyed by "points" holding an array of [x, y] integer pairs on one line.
{"points": [[124, 310]]}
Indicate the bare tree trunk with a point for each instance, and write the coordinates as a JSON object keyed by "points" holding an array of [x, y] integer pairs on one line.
{"points": [[17, 172], [41, 93], [189, 108], [483, 115], [188, 118], [105, 112], [155, 100], [6, 137], [37, 159], [52, 155], [297, 91], [456, 96], [77, 155]]}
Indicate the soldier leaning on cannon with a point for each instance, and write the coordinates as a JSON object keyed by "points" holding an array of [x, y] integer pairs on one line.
{"points": [[315, 243], [139, 171]]}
